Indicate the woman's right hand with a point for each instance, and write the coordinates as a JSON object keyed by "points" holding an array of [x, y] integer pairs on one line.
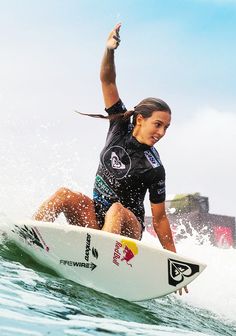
{"points": [[113, 40]]}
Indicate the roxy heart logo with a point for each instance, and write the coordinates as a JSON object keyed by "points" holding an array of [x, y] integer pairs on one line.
{"points": [[178, 271], [116, 162]]}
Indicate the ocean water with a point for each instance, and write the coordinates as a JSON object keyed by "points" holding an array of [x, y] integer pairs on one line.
{"points": [[35, 301]]}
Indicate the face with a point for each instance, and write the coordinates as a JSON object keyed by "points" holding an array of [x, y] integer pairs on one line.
{"points": [[150, 130]]}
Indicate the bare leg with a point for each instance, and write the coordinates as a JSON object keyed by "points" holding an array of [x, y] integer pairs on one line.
{"points": [[122, 221], [77, 208]]}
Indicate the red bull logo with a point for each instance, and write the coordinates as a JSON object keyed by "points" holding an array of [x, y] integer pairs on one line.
{"points": [[124, 251]]}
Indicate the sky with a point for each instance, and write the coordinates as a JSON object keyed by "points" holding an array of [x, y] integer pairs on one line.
{"points": [[182, 51]]}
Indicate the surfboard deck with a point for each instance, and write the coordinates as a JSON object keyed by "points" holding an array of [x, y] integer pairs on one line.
{"points": [[116, 265]]}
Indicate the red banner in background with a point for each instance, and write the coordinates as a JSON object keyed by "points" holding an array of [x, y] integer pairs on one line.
{"points": [[223, 236]]}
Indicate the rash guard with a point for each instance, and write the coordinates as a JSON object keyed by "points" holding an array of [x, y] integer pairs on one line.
{"points": [[127, 169]]}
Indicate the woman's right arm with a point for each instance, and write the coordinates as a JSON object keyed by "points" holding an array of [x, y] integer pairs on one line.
{"points": [[108, 72]]}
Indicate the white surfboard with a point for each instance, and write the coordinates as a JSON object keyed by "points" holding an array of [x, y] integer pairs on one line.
{"points": [[109, 263]]}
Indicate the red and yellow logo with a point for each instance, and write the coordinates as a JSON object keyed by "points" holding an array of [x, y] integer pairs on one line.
{"points": [[125, 250]]}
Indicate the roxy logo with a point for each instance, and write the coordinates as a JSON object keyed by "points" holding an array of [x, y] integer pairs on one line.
{"points": [[161, 191], [178, 271], [111, 178], [116, 162], [152, 160]]}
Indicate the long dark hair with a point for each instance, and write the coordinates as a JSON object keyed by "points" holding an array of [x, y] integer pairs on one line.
{"points": [[146, 107]]}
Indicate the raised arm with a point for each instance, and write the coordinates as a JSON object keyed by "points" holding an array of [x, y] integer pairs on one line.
{"points": [[108, 72]]}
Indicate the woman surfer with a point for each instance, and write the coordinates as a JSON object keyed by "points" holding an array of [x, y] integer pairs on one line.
{"points": [[129, 166]]}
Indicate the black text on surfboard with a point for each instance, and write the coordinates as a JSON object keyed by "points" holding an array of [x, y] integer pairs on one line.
{"points": [[77, 264], [88, 249], [177, 271]]}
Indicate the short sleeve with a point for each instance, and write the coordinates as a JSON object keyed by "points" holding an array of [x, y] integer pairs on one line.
{"points": [[157, 188], [118, 107], [118, 127]]}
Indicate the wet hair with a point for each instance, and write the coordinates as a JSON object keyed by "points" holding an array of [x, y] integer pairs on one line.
{"points": [[146, 107]]}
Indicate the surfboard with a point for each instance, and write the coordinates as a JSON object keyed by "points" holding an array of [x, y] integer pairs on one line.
{"points": [[109, 263]]}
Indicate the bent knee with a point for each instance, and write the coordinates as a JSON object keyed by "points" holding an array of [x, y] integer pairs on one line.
{"points": [[63, 191], [72, 198], [116, 207], [64, 194]]}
